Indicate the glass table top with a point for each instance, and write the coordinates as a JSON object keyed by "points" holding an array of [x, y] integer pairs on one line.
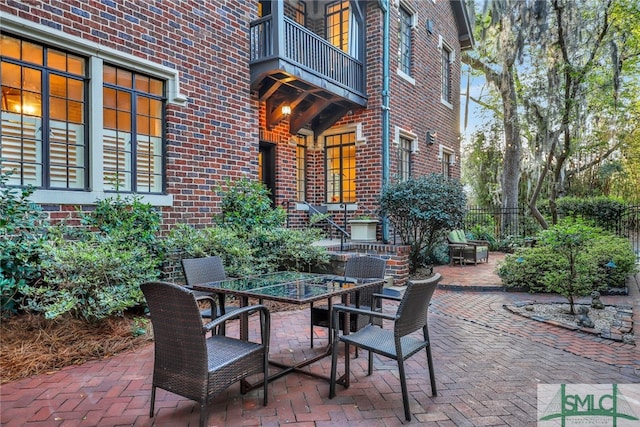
{"points": [[287, 286]]}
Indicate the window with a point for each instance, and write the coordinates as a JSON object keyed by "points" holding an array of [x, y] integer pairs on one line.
{"points": [[338, 24], [404, 159], [340, 156], [404, 41], [446, 164], [67, 135], [132, 134], [299, 12], [44, 110], [447, 59], [447, 158], [301, 171]]}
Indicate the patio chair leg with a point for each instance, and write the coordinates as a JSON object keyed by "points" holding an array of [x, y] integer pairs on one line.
{"points": [[370, 363], [153, 401], [311, 322], [203, 415], [347, 365], [405, 393], [432, 376], [265, 387], [334, 363]]}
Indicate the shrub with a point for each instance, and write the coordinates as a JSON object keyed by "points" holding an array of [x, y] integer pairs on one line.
{"points": [[261, 250], [483, 232], [90, 279], [527, 266], [249, 237], [510, 244], [246, 204], [286, 249], [571, 259], [421, 211], [126, 219], [22, 234], [602, 211], [614, 260]]}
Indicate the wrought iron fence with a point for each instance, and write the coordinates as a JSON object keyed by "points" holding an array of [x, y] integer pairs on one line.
{"points": [[518, 222], [630, 227], [502, 223]]}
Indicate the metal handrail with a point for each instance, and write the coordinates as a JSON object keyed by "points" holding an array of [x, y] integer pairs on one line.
{"points": [[344, 234]]}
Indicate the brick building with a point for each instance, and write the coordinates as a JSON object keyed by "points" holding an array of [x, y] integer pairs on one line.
{"points": [[323, 101]]}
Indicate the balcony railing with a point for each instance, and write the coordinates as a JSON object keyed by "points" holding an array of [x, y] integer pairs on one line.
{"points": [[306, 50]]}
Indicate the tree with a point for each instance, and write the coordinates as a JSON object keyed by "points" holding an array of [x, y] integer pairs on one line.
{"points": [[569, 241], [504, 27], [421, 211], [573, 68]]}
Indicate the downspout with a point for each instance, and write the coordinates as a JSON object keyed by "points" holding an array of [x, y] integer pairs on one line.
{"points": [[384, 6]]}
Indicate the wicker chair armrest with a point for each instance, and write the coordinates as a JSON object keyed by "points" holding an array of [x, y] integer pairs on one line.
{"points": [[342, 279], [388, 297], [265, 319], [478, 242], [205, 297], [337, 309]]}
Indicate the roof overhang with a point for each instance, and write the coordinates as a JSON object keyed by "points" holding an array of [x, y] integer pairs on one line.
{"points": [[464, 22]]}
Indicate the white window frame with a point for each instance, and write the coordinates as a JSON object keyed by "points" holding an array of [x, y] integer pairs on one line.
{"points": [[97, 55], [442, 149], [443, 45], [414, 23], [406, 134]]}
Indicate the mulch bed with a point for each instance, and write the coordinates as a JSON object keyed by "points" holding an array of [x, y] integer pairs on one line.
{"points": [[32, 345]]}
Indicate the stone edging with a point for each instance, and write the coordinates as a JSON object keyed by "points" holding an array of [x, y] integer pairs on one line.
{"points": [[615, 333]]}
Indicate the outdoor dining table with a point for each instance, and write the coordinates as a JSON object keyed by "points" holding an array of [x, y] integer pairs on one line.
{"points": [[289, 287]]}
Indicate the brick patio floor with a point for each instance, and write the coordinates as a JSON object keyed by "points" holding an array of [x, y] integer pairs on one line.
{"points": [[488, 363]]}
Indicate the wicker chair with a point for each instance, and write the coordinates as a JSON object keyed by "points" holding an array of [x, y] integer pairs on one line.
{"points": [[462, 250], [204, 270], [394, 343], [190, 364], [356, 268]]}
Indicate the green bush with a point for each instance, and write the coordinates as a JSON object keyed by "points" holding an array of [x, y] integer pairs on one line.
{"points": [[602, 211], [262, 250], [571, 259], [483, 232], [614, 260], [90, 272], [249, 237], [126, 219], [511, 244], [527, 266], [90, 279], [287, 249], [246, 204], [422, 210], [22, 234]]}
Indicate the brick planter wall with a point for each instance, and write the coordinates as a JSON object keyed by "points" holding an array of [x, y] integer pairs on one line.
{"points": [[396, 256]]}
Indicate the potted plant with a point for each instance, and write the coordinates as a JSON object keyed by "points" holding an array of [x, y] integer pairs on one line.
{"points": [[363, 228]]}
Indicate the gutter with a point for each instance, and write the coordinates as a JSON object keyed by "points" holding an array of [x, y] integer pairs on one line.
{"points": [[384, 6]]}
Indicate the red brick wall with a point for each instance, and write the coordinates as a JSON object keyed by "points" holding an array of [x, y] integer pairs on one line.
{"points": [[215, 135], [417, 108]]}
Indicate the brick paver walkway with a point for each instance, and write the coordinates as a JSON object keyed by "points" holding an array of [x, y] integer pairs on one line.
{"points": [[488, 363]]}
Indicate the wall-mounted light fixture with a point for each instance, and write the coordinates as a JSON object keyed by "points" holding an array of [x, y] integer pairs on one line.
{"points": [[286, 110], [431, 137]]}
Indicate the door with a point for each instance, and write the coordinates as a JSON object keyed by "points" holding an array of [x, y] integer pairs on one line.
{"points": [[267, 168]]}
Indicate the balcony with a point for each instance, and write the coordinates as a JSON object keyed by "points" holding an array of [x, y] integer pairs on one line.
{"points": [[290, 65]]}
